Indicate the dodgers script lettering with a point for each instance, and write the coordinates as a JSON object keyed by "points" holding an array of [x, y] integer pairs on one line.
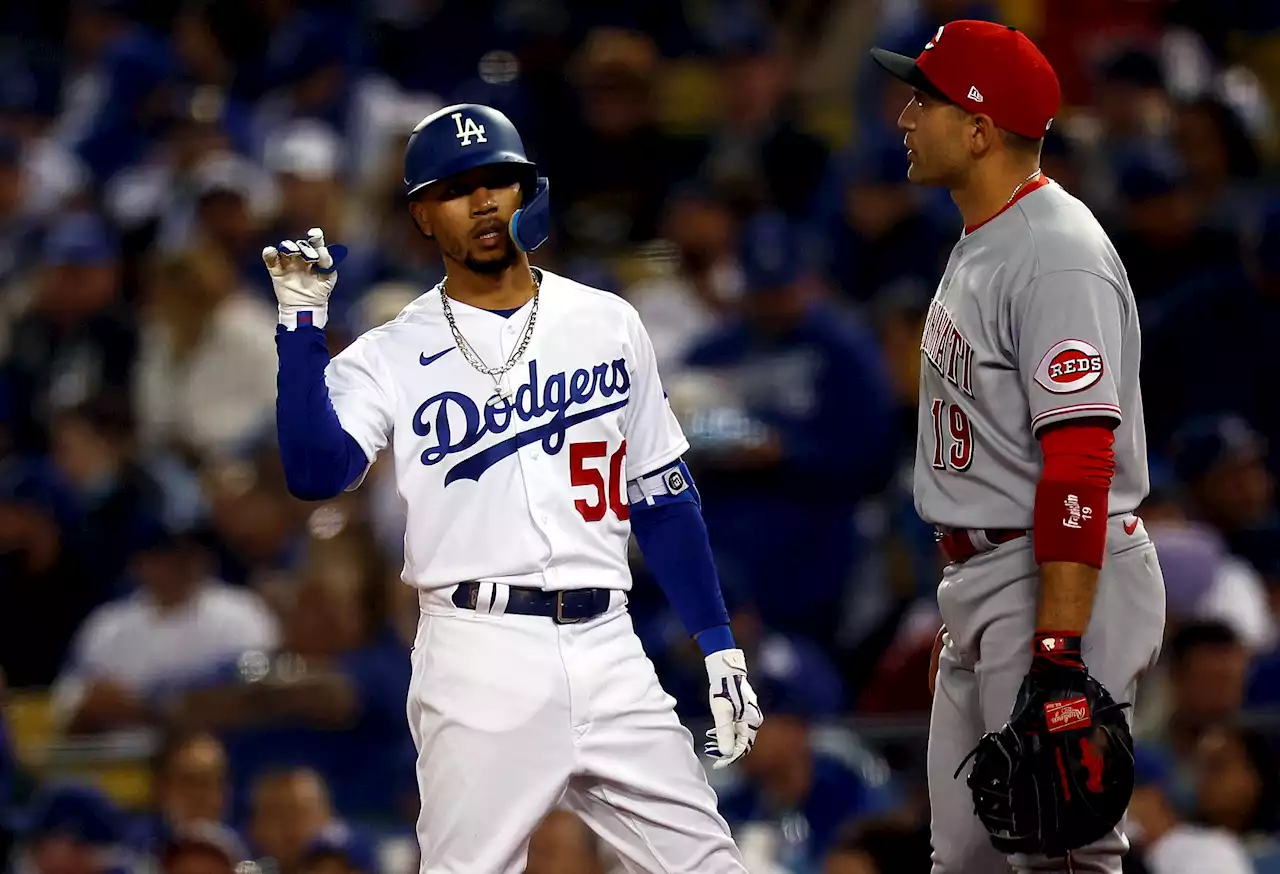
{"points": [[439, 416]]}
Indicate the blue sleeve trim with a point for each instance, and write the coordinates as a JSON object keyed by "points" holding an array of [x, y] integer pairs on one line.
{"points": [[320, 459], [716, 639], [673, 539]]}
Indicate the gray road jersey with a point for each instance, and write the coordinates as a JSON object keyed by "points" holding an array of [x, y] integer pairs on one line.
{"points": [[1034, 322]]}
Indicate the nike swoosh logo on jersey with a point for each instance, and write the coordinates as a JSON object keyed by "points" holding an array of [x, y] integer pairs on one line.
{"points": [[472, 468], [1131, 526], [424, 360]]}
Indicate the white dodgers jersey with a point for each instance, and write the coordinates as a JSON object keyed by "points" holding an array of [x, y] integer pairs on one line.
{"points": [[531, 491]]}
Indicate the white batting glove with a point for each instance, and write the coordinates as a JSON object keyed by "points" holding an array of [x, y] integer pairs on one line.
{"points": [[303, 274], [733, 707]]}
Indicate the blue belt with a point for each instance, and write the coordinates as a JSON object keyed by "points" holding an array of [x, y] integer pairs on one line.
{"points": [[563, 608]]}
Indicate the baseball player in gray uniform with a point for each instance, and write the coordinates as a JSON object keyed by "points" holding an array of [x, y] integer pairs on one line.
{"points": [[1031, 453]]}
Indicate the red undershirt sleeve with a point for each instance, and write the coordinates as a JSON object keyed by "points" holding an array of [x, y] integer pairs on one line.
{"points": [[1070, 518]]}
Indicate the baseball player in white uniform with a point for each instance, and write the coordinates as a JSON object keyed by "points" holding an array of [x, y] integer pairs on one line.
{"points": [[531, 438]]}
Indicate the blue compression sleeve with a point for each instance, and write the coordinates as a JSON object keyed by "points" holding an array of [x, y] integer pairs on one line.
{"points": [[673, 538], [320, 459]]}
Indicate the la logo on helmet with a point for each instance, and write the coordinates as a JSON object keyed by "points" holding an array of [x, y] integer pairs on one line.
{"points": [[468, 130], [937, 37]]}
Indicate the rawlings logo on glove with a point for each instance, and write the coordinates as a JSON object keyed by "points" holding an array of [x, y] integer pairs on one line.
{"points": [[1062, 715]]}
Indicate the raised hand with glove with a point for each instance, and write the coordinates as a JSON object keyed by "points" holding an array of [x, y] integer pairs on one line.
{"points": [[1059, 774], [303, 275], [733, 707]]}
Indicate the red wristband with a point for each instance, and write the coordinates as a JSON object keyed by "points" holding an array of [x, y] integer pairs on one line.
{"points": [[1070, 522]]}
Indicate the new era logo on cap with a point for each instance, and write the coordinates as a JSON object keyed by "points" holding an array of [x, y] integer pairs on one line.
{"points": [[984, 68]]}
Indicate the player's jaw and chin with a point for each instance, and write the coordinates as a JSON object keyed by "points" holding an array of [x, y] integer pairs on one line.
{"points": [[485, 257], [458, 230]]}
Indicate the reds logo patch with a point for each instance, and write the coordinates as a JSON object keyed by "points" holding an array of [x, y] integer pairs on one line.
{"points": [[1069, 366], [1064, 715]]}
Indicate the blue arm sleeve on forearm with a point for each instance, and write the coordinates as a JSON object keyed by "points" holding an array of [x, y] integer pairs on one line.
{"points": [[673, 538], [320, 458]]}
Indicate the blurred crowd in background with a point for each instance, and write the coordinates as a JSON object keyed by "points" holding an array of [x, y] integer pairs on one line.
{"points": [[200, 670]]}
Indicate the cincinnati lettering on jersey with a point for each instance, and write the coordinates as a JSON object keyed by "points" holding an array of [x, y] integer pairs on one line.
{"points": [[947, 350], [556, 395]]}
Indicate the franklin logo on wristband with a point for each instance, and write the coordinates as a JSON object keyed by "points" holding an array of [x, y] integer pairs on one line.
{"points": [[1076, 514]]}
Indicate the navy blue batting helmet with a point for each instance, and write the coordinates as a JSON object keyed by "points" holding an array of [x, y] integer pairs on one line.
{"points": [[465, 136]]}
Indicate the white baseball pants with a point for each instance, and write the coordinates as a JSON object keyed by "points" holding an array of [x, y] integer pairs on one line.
{"points": [[513, 716]]}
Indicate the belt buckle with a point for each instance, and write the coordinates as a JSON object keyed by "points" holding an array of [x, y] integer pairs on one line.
{"points": [[560, 620]]}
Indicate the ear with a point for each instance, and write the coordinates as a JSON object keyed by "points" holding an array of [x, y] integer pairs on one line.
{"points": [[985, 134], [418, 212]]}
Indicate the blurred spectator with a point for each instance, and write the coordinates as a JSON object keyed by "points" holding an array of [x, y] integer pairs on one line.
{"points": [[1203, 580], [18, 233], [42, 575], [206, 372], [178, 627], [1238, 788], [703, 284], [75, 339], [900, 309], [52, 177], [788, 661], [398, 250], [805, 795], [306, 160], [897, 673], [195, 43], [881, 846], [203, 848], [758, 152], [307, 82], [880, 234], [331, 697], [809, 381], [1223, 462], [612, 165], [291, 809], [188, 787], [339, 849], [70, 829], [257, 523], [117, 75], [1228, 319], [117, 500], [1207, 670], [154, 200], [1160, 235], [563, 844], [232, 199], [1222, 161], [1131, 109], [1060, 160], [434, 47], [1166, 843]]}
